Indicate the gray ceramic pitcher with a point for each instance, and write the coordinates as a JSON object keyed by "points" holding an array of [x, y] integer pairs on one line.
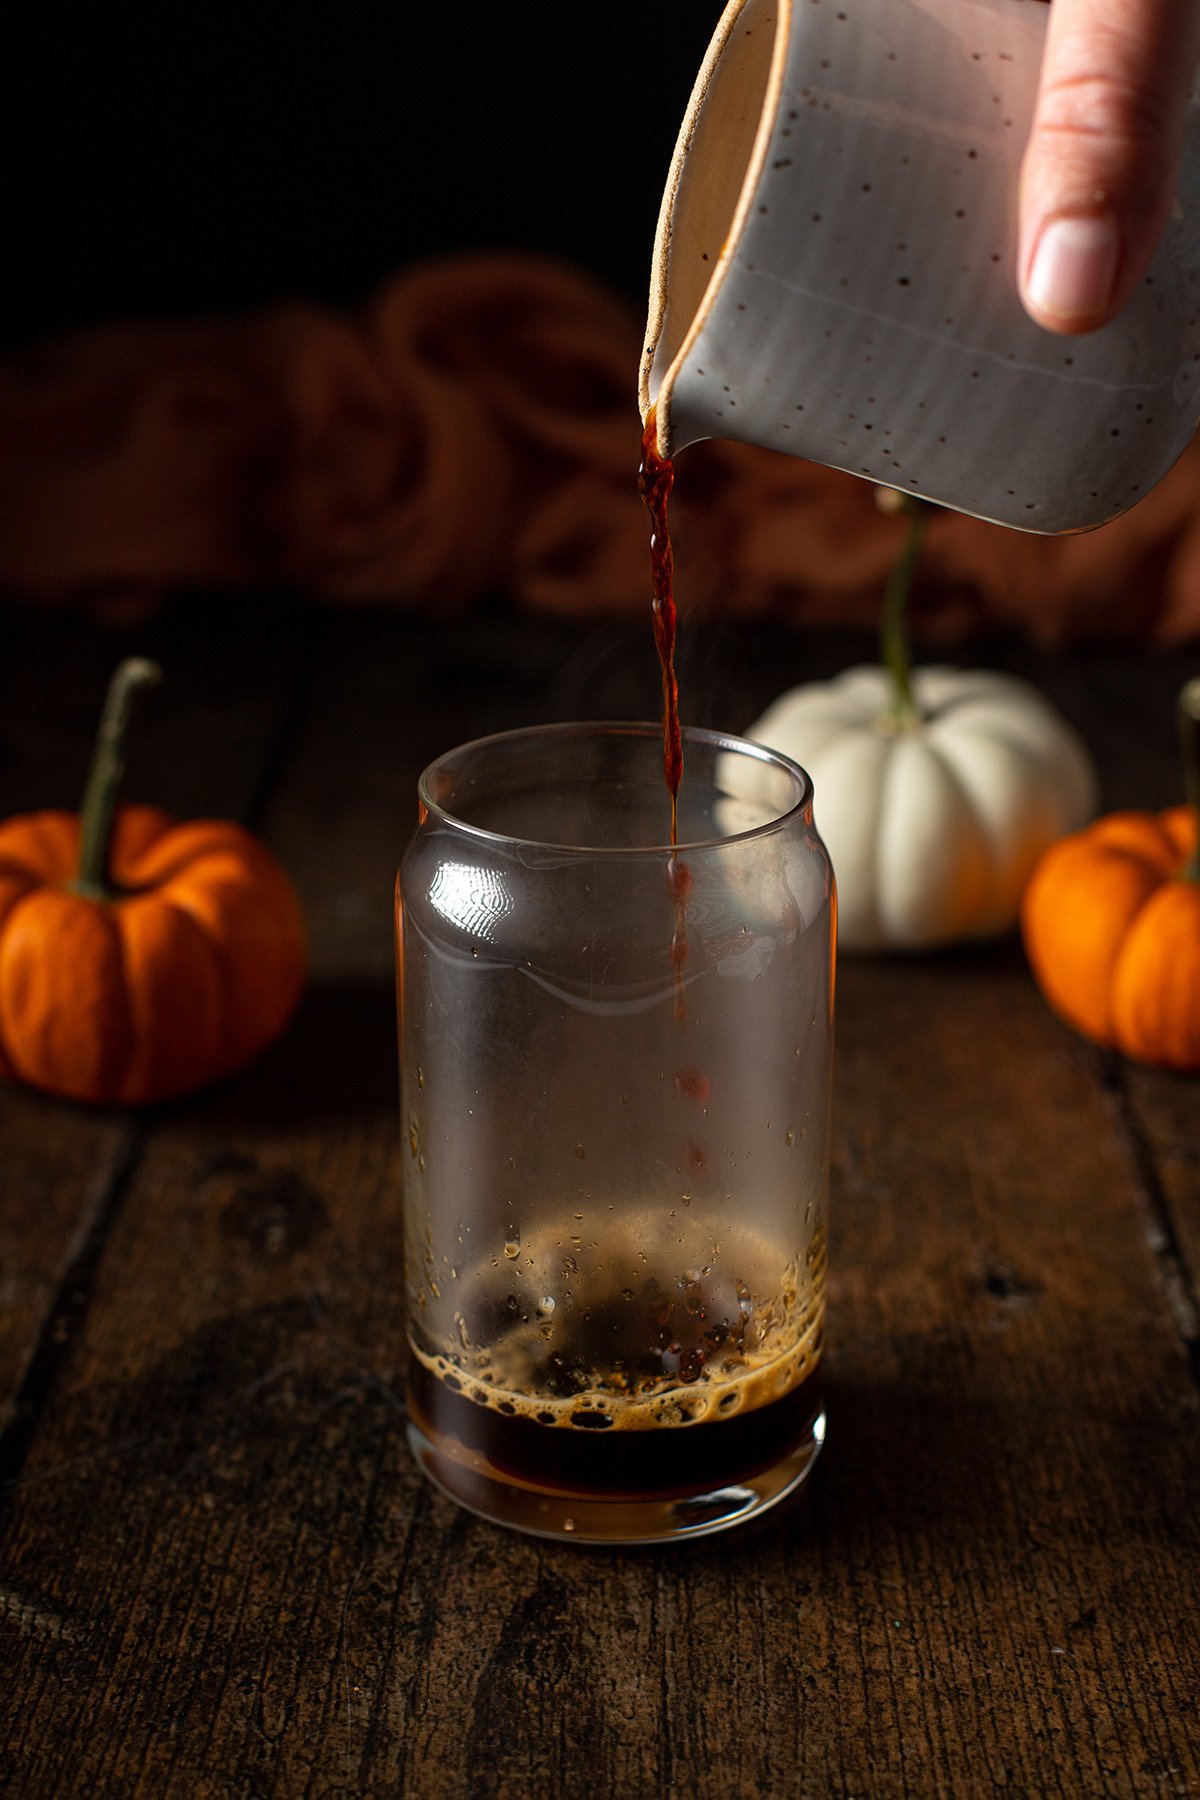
{"points": [[835, 270]]}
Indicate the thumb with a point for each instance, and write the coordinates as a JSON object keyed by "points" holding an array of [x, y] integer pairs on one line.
{"points": [[1100, 171]]}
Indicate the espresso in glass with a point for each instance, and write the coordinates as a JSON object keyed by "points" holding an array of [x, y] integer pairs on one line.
{"points": [[615, 1204]]}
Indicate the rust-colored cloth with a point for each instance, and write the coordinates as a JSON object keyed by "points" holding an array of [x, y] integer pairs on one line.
{"points": [[470, 431]]}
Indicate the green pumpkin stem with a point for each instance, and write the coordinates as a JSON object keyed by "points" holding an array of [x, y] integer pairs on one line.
{"points": [[99, 808], [893, 637], [1189, 735]]}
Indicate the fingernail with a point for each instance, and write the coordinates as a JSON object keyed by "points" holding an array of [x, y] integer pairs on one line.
{"points": [[1074, 267]]}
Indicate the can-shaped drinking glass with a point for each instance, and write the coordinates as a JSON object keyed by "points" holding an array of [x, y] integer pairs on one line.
{"points": [[615, 1083]]}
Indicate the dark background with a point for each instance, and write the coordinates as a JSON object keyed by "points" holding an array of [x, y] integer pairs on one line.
{"points": [[192, 159]]}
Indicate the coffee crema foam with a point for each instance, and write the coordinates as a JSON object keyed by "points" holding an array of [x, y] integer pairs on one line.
{"points": [[631, 1341]]}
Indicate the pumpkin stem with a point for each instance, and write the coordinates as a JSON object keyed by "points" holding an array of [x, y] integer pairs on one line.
{"points": [[893, 637], [1189, 735], [99, 808]]}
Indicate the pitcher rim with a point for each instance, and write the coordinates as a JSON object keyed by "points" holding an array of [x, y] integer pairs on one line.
{"points": [[657, 307]]}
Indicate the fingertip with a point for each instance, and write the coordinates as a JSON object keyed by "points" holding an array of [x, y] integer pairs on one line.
{"points": [[1070, 276]]}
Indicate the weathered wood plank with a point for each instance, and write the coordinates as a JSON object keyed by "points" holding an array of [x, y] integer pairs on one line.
{"points": [[988, 1585], [1160, 1113]]}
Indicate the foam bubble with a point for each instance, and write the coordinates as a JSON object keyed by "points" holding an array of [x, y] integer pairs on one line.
{"points": [[620, 1348]]}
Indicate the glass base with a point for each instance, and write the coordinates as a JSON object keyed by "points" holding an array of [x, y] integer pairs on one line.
{"points": [[610, 1519]]}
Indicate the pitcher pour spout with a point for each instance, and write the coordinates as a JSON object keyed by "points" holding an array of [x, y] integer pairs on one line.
{"points": [[834, 271], [709, 190]]}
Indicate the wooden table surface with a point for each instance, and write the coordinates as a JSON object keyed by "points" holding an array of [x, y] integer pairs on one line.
{"points": [[219, 1571]]}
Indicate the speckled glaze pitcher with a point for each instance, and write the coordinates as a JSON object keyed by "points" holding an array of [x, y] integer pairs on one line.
{"points": [[835, 270]]}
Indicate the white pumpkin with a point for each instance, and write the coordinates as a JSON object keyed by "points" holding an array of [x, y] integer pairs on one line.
{"points": [[934, 819]]}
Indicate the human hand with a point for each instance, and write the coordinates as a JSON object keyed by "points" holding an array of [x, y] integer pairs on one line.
{"points": [[1100, 170]]}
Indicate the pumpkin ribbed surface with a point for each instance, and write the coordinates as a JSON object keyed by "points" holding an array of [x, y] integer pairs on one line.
{"points": [[182, 977], [1112, 932], [932, 823]]}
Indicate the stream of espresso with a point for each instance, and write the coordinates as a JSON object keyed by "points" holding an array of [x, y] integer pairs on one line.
{"points": [[656, 477]]}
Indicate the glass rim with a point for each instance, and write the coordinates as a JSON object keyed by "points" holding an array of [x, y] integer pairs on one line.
{"points": [[615, 728]]}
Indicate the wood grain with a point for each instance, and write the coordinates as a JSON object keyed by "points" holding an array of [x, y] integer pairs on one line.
{"points": [[222, 1575], [1159, 1116]]}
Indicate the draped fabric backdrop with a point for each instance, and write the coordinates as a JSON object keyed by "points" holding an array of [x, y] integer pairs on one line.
{"points": [[472, 434]]}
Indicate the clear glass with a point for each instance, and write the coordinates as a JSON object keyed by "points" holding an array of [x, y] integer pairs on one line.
{"points": [[615, 1094]]}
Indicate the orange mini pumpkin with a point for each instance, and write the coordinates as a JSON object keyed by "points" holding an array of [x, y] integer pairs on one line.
{"points": [[139, 958], [1111, 923]]}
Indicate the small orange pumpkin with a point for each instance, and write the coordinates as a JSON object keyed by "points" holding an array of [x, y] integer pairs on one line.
{"points": [[140, 959], [1111, 924]]}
